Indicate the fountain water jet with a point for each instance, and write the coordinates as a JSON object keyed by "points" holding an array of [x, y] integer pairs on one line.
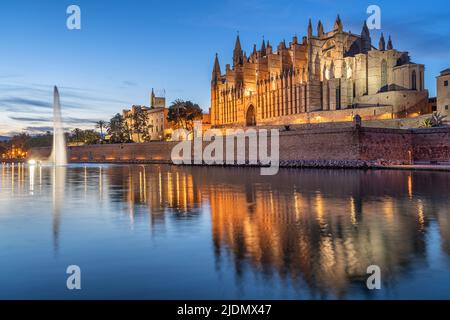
{"points": [[59, 152]]}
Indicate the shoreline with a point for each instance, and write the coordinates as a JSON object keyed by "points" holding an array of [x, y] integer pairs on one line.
{"points": [[301, 164]]}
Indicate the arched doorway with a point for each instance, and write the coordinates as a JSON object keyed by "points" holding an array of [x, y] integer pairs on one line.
{"points": [[250, 117]]}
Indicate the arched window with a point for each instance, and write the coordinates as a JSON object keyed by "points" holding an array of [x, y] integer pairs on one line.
{"points": [[414, 80], [383, 84], [421, 81]]}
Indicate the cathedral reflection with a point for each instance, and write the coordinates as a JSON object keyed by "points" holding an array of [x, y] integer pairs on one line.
{"points": [[314, 228], [320, 228]]}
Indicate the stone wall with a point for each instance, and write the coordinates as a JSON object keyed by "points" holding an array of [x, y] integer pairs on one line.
{"points": [[385, 144], [370, 145], [431, 145]]}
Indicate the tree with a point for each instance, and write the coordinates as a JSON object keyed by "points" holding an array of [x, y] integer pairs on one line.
{"points": [[118, 130], [20, 140], [84, 136], [139, 123], [76, 135], [182, 114], [91, 136], [101, 125]]}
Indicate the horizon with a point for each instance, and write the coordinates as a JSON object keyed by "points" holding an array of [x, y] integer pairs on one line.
{"points": [[124, 49]]}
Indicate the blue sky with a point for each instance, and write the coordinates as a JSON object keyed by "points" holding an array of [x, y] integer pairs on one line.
{"points": [[127, 47]]}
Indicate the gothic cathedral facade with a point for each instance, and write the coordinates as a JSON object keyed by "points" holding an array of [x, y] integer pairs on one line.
{"points": [[327, 77]]}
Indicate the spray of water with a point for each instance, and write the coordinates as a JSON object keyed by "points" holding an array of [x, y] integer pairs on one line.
{"points": [[59, 153]]}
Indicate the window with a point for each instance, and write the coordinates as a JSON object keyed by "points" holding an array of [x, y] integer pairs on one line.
{"points": [[446, 107], [446, 83], [414, 80], [338, 98], [383, 85]]}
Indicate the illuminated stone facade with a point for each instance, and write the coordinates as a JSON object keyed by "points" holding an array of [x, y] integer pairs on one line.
{"points": [[443, 92], [327, 76], [159, 127]]}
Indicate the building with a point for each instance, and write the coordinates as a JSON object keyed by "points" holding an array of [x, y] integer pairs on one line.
{"points": [[443, 92], [158, 126], [326, 76]]}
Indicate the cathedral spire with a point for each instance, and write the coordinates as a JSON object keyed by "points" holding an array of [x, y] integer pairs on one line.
{"points": [[254, 54], [310, 30], [366, 41], [237, 53], [269, 48], [216, 70], [320, 29], [152, 98], [338, 24], [263, 48], [237, 46], [382, 43], [389, 45]]}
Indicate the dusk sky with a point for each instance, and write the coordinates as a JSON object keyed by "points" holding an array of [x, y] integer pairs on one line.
{"points": [[125, 48]]}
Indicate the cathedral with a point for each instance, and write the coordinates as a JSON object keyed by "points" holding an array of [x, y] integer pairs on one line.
{"points": [[324, 77]]}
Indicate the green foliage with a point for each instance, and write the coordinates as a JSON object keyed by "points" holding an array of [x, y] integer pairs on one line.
{"points": [[118, 130], [426, 123], [436, 120], [140, 124], [182, 114], [84, 136], [101, 125], [25, 142]]}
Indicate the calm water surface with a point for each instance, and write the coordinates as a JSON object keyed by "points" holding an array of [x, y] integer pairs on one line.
{"points": [[165, 232]]}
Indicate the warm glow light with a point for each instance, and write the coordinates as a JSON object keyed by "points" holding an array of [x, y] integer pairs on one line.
{"points": [[32, 162]]}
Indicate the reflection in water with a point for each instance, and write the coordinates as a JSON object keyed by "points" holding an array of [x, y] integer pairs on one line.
{"points": [[318, 230], [58, 186]]}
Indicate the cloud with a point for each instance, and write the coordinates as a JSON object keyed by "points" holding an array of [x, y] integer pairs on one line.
{"points": [[26, 102], [30, 119], [130, 83], [38, 130], [66, 120]]}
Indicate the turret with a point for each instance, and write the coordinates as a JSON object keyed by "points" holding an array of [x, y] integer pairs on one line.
{"points": [[310, 30], [238, 55], [320, 32], [338, 24], [216, 74], [152, 99], [269, 48], [389, 45], [255, 52], [366, 41], [382, 43], [282, 45], [263, 48]]}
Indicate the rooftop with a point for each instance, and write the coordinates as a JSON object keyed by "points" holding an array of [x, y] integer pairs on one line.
{"points": [[445, 72]]}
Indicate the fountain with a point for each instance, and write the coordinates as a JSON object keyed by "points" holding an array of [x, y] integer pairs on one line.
{"points": [[58, 156]]}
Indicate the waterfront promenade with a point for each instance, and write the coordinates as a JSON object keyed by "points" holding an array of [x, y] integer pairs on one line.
{"points": [[349, 147]]}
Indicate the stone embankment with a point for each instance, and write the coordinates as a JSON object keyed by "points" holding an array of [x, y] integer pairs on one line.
{"points": [[350, 147]]}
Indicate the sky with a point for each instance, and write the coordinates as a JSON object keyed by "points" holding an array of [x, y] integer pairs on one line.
{"points": [[126, 48]]}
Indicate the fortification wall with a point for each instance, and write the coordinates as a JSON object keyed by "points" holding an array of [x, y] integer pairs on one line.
{"points": [[431, 145], [339, 144]]}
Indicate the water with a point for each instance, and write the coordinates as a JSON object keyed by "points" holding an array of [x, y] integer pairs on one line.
{"points": [[165, 232], [59, 152]]}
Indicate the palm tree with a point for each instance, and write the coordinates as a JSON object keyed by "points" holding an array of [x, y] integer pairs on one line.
{"points": [[100, 125], [77, 135], [436, 120]]}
